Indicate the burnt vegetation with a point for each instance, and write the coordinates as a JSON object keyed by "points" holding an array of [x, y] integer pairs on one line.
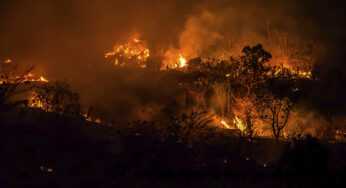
{"points": [[47, 139]]}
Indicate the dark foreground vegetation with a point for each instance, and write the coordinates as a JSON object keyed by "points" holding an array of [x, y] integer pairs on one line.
{"points": [[46, 141], [40, 149]]}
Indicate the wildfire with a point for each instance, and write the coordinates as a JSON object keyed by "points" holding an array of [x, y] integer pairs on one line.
{"points": [[239, 123], [131, 52]]}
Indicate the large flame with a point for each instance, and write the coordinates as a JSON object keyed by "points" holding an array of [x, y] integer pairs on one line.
{"points": [[182, 60]]}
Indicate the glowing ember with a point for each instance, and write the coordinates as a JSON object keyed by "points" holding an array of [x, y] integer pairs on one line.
{"points": [[239, 123], [49, 170]]}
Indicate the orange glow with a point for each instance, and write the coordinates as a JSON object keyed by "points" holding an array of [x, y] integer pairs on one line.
{"points": [[8, 61]]}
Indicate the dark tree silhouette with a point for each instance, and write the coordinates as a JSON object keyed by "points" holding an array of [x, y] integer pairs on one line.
{"points": [[277, 100]]}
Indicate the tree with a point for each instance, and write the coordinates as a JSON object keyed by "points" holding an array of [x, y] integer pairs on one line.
{"points": [[247, 82], [277, 100], [209, 75], [56, 97]]}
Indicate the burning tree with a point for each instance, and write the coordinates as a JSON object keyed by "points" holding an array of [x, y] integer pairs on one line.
{"points": [[56, 97], [248, 79]]}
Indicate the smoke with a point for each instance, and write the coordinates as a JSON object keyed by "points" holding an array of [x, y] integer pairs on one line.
{"points": [[201, 33], [67, 39]]}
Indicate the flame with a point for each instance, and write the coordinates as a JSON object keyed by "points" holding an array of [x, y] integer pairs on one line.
{"points": [[97, 120], [135, 40], [43, 79], [173, 58], [304, 74], [239, 123], [130, 52], [182, 60], [223, 122], [31, 78], [22, 79], [298, 73], [8, 61]]}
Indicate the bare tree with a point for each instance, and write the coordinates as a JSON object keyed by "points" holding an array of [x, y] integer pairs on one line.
{"points": [[11, 77], [277, 114], [276, 100]]}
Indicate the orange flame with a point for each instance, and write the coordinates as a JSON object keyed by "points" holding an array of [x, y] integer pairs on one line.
{"points": [[182, 60], [223, 122], [239, 123]]}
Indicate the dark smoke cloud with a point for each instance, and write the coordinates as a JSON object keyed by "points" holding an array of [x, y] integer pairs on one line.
{"points": [[67, 39]]}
